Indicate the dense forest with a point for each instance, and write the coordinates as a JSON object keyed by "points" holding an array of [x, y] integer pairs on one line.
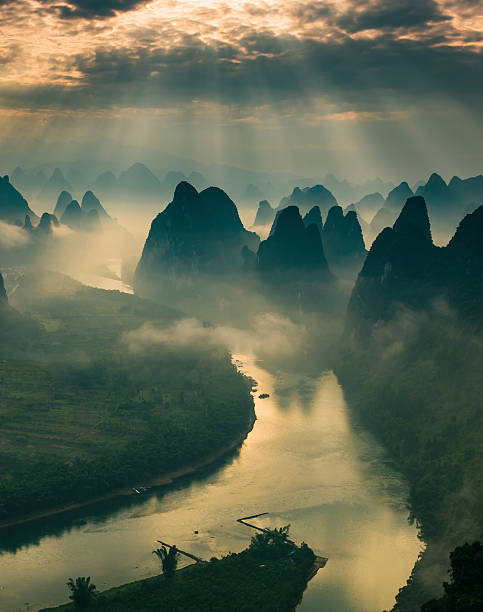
{"points": [[106, 396], [269, 576]]}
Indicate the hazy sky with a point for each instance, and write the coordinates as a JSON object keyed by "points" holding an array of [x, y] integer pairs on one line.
{"points": [[381, 87]]}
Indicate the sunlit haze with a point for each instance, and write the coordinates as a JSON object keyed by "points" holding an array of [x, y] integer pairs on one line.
{"points": [[385, 88]]}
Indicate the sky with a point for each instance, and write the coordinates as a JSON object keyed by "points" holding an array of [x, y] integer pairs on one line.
{"points": [[389, 88]]}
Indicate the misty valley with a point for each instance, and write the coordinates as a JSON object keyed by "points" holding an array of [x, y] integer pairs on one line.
{"points": [[311, 362]]}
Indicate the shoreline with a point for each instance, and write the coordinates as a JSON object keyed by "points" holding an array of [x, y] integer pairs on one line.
{"points": [[157, 481]]}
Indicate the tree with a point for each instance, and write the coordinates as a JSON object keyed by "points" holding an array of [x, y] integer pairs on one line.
{"points": [[83, 592], [168, 558], [272, 542], [464, 593]]}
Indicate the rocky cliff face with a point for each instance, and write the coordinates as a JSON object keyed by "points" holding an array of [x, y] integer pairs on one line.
{"points": [[196, 234]]}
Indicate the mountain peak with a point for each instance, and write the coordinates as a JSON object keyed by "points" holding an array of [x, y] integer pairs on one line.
{"points": [[91, 202], [435, 180], [414, 215], [184, 191], [57, 175], [396, 198], [63, 201], [314, 216]]}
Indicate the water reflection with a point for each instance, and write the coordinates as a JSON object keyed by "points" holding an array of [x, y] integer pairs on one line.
{"points": [[304, 463]]}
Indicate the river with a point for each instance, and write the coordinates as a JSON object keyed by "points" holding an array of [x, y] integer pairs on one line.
{"points": [[304, 462]]}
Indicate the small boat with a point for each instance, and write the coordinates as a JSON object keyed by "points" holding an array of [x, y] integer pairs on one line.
{"points": [[140, 490], [263, 395]]}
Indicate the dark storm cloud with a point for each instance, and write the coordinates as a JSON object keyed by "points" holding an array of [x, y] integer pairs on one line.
{"points": [[95, 9], [392, 14], [84, 9], [264, 69]]}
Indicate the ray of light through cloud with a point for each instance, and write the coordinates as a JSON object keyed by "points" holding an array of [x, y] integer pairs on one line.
{"points": [[292, 85]]}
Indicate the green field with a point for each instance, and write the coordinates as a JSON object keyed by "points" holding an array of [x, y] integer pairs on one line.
{"points": [[89, 408]]}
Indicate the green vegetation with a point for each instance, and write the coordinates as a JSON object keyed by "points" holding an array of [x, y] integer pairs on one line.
{"points": [[269, 576], [464, 593], [101, 402], [417, 385], [168, 558], [83, 592]]}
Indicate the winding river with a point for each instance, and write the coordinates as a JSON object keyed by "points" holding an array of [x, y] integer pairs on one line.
{"points": [[304, 462]]}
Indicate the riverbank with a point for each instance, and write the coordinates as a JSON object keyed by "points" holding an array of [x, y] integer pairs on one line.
{"points": [[158, 481], [270, 576]]}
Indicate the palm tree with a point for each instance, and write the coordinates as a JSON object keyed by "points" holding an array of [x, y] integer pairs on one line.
{"points": [[272, 542], [83, 592], [168, 558]]}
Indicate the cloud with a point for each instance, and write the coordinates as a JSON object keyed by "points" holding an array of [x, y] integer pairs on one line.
{"points": [[264, 69], [160, 54], [270, 336], [91, 9], [392, 14], [11, 236], [82, 9]]}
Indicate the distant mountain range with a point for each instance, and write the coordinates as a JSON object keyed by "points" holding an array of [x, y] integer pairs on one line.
{"points": [[446, 203]]}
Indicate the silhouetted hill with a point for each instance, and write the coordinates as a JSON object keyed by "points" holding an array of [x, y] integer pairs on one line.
{"points": [[138, 180], [395, 270], [265, 214], [346, 192], [63, 201], [468, 193], [73, 216], [171, 180], [91, 203], [293, 250], [314, 216], [394, 202], [307, 198], [13, 206], [342, 238], [398, 196], [28, 183], [53, 187], [105, 184], [196, 234], [198, 181], [370, 204], [46, 224]]}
